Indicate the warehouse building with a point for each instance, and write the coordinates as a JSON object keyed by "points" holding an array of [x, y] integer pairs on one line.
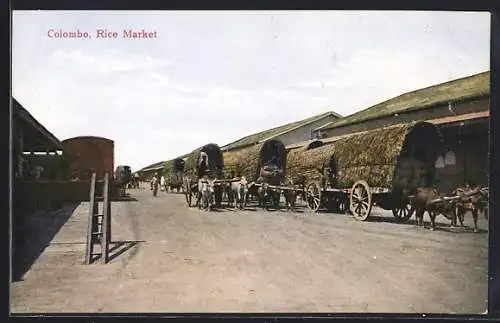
{"points": [[460, 109], [288, 134]]}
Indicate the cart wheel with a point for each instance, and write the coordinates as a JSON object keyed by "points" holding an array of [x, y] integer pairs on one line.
{"points": [[313, 196], [360, 201], [403, 213]]}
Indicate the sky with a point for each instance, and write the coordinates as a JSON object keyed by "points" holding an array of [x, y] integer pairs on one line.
{"points": [[216, 77]]}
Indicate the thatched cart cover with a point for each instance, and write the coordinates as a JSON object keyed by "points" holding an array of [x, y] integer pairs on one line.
{"points": [[173, 170], [230, 163], [243, 162], [306, 165], [215, 160], [247, 162], [397, 156], [167, 171]]}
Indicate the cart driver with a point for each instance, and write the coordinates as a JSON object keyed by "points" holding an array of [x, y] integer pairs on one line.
{"points": [[202, 164]]}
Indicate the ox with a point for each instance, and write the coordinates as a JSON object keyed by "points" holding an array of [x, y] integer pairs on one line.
{"points": [[238, 192], [291, 194], [205, 193], [429, 199], [474, 200]]}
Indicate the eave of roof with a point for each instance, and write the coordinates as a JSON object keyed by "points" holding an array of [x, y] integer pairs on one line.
{"points": [[19, 110], [461, 117], [463, 89]]}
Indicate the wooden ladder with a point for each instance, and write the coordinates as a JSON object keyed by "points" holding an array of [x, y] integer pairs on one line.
{"points": [[99, 224]]}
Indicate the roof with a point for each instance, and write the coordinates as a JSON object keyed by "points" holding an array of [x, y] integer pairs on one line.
{"points": [[324, 140], [277, 131], [436, 121], [462, 89], [461, 117], [87, 137], [41, 138], [155, 166]]}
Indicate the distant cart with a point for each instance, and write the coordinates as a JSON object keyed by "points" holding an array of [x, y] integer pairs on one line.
{"points": [[174, 171], [121, 178], [194, 170], [380, 167]]}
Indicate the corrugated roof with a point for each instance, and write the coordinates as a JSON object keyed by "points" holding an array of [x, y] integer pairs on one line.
{"points": [[274, 132], [477, 85]]}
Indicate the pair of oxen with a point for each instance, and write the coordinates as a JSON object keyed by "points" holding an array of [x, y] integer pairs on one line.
{"points": [[462, 200]]}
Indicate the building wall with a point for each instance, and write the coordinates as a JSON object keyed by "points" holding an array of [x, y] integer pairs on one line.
{"points": [[476, 105], [304, 133], [469, 144], [85, 155]]}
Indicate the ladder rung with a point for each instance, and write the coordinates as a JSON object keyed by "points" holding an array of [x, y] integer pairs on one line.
{"points": [[97, 254], [96, 233]]}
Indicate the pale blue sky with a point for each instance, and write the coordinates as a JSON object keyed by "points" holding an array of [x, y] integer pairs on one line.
{"points": [[219, 76]]}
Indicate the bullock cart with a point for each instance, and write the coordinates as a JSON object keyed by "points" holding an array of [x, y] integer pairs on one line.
{"points": [[174, 172], [263, 165], [208, 157], [380, 167], [122, 177]]}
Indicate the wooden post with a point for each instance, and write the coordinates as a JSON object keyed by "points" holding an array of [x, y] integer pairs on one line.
{"points": [[92, 207], [105, 221], [108, 205]]}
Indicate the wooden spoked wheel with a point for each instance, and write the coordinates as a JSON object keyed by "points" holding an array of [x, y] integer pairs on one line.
{"points": [[313, 196], [404, 212], [360, 201]]}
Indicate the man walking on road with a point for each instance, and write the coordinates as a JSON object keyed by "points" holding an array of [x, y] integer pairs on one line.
{"points": [[154, 184]]}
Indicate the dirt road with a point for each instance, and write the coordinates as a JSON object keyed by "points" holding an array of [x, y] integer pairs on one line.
{"points": [[177, 259]]}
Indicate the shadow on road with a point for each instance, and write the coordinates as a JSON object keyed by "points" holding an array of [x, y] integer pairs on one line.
{"points": [[120, 247], [33, 234], [124, 199]]}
